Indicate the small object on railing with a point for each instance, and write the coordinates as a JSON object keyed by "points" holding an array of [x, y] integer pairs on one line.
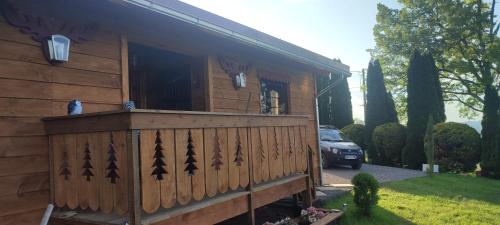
{"points": [[129, 105], [75, 107], [46, 215]]}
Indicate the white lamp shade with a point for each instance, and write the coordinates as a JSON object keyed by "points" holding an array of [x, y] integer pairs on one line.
{"points": [[58, 46]]}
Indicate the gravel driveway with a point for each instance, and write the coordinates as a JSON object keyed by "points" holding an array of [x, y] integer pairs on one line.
{"points": [[338, 176]]}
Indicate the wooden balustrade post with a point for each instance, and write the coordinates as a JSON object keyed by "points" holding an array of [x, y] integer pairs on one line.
{"points": [[251, 209], [307, 194], [134, 185]]}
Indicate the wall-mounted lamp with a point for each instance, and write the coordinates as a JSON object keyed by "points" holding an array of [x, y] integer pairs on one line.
{"points": [[56, 48], [240, 80]]}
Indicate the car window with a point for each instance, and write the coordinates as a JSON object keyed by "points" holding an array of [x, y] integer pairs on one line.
{"points": [[332, 135]]}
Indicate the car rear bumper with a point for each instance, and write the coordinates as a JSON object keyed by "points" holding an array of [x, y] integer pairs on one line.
{"points": [[341, 159]]}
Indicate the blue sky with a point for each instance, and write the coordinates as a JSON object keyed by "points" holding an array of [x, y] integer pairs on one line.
{"points": [[333, 28]]}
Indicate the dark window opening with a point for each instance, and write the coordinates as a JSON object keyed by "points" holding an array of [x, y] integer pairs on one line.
{"points": [[161, 79], [273, 97]]}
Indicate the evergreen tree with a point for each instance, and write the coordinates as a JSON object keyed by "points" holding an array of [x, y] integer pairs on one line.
{"points": [[112, 168], [87, 166], [190, 160], [490, 134], [379, 108], [341, 107], [424, 99], [334, 106], [158, 163]]}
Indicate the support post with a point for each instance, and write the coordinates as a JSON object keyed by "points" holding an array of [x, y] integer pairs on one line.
{"points": [[134, 185]]}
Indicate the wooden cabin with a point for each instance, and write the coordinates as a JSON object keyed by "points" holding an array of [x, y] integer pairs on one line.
{"points": [[225, 119]]}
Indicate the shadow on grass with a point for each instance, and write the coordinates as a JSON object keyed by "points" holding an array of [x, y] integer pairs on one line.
{"points": [[353, 217], [450, 186]]}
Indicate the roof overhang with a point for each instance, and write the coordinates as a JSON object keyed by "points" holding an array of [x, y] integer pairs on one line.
{"points": [[248, 36]]}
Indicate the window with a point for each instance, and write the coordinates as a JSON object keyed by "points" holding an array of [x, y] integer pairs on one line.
{"points": [[273, 97]]}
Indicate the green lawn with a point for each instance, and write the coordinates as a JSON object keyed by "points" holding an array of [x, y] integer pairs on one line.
{"points": [[442, 199]]}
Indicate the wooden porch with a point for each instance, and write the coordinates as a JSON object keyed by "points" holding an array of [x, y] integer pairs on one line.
{"points": [[172, 167]]}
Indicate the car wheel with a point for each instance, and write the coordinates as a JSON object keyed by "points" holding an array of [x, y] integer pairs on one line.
{"points": [[324, 161], [356, 166]]}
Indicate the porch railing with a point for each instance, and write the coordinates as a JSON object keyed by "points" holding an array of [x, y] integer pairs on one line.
{"points": [[117, 162]]}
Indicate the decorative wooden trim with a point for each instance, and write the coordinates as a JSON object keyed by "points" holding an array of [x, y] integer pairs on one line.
{"points": [[39, 27], [276, 152], [64, 169], [159, 164], [190, 156], [238, 155], [125, 69], [217, 157], [87, 166], [232, 68], [112, 168]]}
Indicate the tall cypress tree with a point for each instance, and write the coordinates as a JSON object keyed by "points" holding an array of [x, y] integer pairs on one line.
{"points": [[424, 98], [335, 106], [490, 134], [341, 106], [379, 108]]}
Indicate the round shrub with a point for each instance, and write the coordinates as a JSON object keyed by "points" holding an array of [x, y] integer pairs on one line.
{"points": [[389, 140], [355, 132], [365, 192], [458, 147]]}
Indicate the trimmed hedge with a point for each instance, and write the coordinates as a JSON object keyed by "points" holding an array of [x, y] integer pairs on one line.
{"points": [[356, 132], [458, 147], [389, 140]]}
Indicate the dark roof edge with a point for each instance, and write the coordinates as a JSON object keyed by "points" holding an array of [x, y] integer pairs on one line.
{"points": [[209, 21]]}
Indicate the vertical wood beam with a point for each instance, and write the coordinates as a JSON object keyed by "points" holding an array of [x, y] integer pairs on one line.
{"points": [[307, 195], [209, 100], [251, 207], [134, 188], [124, 67], [51, 171]]}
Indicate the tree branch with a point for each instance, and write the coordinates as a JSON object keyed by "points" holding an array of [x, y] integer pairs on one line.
{"points": [[466, 104]]}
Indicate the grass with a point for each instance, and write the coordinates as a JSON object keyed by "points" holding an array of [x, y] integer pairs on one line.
{"points": [[441, 199]]}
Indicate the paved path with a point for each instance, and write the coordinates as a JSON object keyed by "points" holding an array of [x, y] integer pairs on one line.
{"points": [[342, 175]]}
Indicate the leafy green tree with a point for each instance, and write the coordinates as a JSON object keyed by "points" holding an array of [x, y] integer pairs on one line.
{"points": [[379, 107], [463, 37], [389, 140], [335, 106], [424, 99]]}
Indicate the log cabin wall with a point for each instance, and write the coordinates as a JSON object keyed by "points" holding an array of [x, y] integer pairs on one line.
{"points": [[30, 89]]}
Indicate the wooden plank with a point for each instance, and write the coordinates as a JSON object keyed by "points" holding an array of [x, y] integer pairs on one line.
{"points": [[94, 140], [30, 164], [184, 188], [134, 185], [209, 85], [21, 126], [107, 190], [19, 70], [23, 218], [60, 108], [286, 150], [233, 140], [150, 187], [198, 179], [21, 184], [124, 68], [14, 107], [223, 174], [167, 185], [279, 160], [30, 53], [23, 146], [282, 188], [210, 172], [298, 149], [255, 150], [72, 182], [244, 168], [84, 185], [264, 154], [303, 136], [293, 154], [121, 186], [12, 204]]}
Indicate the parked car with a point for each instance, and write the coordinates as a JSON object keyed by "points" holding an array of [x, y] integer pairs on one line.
{"points": [[337, 149]]}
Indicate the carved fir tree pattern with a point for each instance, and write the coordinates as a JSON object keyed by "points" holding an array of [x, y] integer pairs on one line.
{"points": [[65, 166], [260, 147], [87, 166], [217, 157], [112, 168], [238, 155], [276, 152], [158, 163], [190, 161], [290, 147]]}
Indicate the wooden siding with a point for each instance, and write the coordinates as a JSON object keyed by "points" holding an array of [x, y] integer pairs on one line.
{"points": [[30, 89], [301, 85]]}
